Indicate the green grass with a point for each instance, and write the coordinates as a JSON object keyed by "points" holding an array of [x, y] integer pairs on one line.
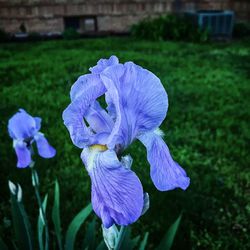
{"points": [[207, 130]]}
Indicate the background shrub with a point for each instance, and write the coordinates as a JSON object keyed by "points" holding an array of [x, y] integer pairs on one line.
{"points": [[70, 33], [241, 30], [3, 36], [34, 36], [169, 27]]}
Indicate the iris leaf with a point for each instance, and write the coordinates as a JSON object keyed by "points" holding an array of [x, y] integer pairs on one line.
{"points": [[41, 223], [168, 239], [56, 215], [2, 245], [125, 242], [22, 229], [101, 246], [90, 236], [75, 226], [144, 242]]}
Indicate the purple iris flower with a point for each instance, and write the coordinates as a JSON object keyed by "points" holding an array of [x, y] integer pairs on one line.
{"points": [[136, 106], [24, 130]]}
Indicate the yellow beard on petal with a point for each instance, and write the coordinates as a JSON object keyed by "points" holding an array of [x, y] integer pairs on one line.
{"points": [[98, 147], [93, 151]]}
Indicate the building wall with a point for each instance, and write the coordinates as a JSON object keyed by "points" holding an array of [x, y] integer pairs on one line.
{"points": [[111, 15]]}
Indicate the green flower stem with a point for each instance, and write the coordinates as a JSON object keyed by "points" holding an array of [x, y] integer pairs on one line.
{"points": [[36, 187], [120, 238]]}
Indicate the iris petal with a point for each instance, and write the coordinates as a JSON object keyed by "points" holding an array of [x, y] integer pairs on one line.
{"points": [[117, 194], [165, 172], [22, 125], [38, 121], [139, 99], [98, 119], [45, 150], [73, 115], [73, 120], [84, 84], [23, 154], [102, 64]]}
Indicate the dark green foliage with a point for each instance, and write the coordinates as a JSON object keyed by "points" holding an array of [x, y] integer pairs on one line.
{"points": [[34, 36], [101, 246], [241, 30], [168, 239], [126, 241], [144, 242], [206, 129], [23, 238], [70, 33], [3, 245], [74, 227], [41, 225], [90, 240], [3, 36], [169, 27], [56, 215], [23, 28]]}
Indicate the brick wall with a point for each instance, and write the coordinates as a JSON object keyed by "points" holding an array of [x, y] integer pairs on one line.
{"points": [[112, 15]]}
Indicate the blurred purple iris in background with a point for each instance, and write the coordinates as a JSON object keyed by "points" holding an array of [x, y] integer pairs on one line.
{"points": [[24, 130], [137, 104]]}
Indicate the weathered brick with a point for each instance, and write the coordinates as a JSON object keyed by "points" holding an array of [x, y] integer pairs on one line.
{"points": [[4, 12], [48, 25], [115, 15]]}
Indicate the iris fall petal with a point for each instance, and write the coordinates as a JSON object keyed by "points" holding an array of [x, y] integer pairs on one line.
{"points": [[117, 194], [166, 174]]}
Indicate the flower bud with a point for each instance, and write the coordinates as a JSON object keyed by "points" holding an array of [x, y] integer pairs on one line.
{"points": [[19, 193], [110, 236], [145, 204], [41, 216], [127, 161], [32, 164], [35, 178], [12, 187]]}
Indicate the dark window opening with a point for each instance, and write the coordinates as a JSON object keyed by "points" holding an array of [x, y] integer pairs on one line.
{"points": [[72, 22], [81, 24]]}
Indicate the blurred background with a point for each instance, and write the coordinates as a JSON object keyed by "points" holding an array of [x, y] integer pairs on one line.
{"points": [[201, 52]]}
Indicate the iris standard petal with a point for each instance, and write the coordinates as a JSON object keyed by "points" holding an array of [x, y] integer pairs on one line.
{"points": [[110, 106], [73, 119], [98, 119], [74, 114], [117, 194], [139, 98], [84, 84], [102, 64], [38, 121], [45, 150], [21, 125], [23, 154], [166, 174]]}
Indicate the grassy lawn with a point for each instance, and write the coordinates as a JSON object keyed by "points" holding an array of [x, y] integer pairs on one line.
{"points": [[206, 129]]}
